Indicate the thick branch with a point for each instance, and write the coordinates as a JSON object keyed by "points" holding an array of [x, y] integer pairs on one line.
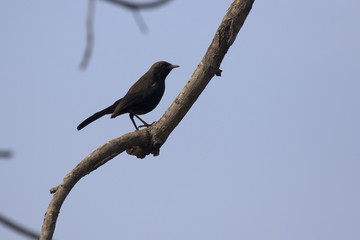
{"points": [[97, 158], [144, 142], [208, 67]]}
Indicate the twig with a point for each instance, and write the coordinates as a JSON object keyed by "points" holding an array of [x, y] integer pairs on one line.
{"points": [[140, 21], [133, 6], [17, 228], [89, 34], [5, 154]]}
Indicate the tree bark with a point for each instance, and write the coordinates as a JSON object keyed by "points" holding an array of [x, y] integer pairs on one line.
{"points": [[149, 140]]}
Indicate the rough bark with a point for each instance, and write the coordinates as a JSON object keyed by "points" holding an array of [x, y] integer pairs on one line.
{"points": [[149, 140]]}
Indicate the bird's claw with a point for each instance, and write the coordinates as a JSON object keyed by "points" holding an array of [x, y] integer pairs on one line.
{"points": [[146, 125]]}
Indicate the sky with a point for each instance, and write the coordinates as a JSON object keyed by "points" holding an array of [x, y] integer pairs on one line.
{"points": [[270, 150]]}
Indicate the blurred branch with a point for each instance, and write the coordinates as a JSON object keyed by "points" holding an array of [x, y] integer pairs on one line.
{"points": [[5, 154], [17, 228], [140, 21], [148, 141], [89, 34], [134, 7]]}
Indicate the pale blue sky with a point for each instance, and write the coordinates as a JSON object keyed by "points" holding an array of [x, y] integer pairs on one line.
{"points": [[271, 150]]}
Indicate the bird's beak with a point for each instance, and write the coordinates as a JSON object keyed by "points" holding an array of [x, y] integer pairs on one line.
{"points": [[174, 66]]}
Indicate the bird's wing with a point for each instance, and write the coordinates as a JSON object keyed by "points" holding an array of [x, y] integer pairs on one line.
{"points": [[133, 99]]}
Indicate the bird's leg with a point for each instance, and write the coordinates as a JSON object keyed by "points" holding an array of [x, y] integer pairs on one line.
{"points": [[145, 123], [131, 115]]}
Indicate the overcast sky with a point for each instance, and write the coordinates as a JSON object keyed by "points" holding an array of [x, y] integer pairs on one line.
{"points": [[271, 149]]}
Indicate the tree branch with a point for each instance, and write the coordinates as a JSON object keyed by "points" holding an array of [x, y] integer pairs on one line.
{"points": [[89, 34], [135, 6], [5, 154], [17, 228], [140, 21], [149, 140]]}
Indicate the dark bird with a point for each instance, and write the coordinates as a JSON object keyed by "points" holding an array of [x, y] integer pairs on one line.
{"points": [[141, 98]]}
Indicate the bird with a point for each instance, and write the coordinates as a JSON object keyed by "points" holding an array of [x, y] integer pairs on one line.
{"points": [[141, 98]]}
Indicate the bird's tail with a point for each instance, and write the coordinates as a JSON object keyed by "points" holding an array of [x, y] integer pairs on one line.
{"points": [[98, 115]]}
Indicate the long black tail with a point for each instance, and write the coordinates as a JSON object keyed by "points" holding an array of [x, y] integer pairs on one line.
{"points": [[98, 115]]}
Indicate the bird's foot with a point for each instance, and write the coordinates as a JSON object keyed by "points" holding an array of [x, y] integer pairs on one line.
{"points": [[146, 125]]}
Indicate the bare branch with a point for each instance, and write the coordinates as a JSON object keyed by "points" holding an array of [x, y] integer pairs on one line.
{"points": [[134, 6], [5, 154], [97, 158], [89, 34], [208, 67], [149, 140], [17, 228], [140, 21]]}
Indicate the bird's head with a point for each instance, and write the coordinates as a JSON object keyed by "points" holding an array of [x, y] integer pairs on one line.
{"points": [[162, 69]]}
